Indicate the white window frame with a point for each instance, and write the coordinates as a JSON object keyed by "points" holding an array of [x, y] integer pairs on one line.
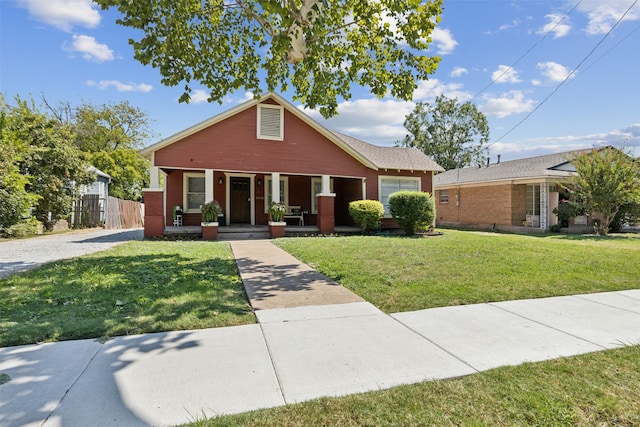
{"points": [[381, 197], [185, 192], [533, 199], [314, 195], [284, 199], [443, 197], [259, 133]]}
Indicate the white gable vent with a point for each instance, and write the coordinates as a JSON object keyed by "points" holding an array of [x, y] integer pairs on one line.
{"points": [[270, 122]]}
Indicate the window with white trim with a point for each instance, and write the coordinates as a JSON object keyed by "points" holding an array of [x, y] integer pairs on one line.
{"points": [[533, 199], [194, 192], [270, 122], [444, 196], [284, 192], [316, 188], [387, 185]]}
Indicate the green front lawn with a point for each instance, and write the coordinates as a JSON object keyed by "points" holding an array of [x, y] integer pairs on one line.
{"points": [[597, 389], [133, 288], [403, 274]]}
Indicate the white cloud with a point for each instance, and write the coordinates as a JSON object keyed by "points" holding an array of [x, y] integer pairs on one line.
{"points": [[377, 121], [119, 86], [199, 96], [505, 74], [558, 24], [64, 14], [628, 137], [603, 15], [90, 49], [444, 41], [428, 90], [553, 71], [458, 71], [512, 102]]}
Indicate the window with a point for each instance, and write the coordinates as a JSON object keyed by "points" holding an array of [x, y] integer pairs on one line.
{"points": [[316, 188], [284, 192], [533, 199], [194, 192], [389, 185], [444, 196], [270, 122]]}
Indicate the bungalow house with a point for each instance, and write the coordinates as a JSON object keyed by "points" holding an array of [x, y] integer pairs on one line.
{"points": [[506, 194], [268, 150]]}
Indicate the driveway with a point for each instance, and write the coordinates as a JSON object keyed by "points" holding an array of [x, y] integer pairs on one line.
{"points": [[23, 254]]}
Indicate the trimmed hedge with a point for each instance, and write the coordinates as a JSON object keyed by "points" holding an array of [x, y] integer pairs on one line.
{"points": [[367, 213], [412, 210]]}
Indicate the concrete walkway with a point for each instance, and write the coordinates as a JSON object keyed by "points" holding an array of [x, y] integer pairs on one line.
{"points": [[314, 338]]}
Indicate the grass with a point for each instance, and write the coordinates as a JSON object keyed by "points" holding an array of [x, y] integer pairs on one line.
{"points": [[134, 288], [597, 389], [403, 274]]}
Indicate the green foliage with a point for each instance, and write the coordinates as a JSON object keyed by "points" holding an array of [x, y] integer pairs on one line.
{"points": [[44, 166], [321, 48], [568, 209], [412, 210], [629, 213], [210, 211], [27, 227], [555, 228], [606, 180], [454, 135], [367, 213], [276, 211], [111, 135]]}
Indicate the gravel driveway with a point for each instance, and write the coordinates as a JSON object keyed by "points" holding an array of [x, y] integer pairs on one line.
{"points": [[20, 255]]}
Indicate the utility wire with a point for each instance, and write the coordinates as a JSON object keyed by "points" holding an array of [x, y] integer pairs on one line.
{"points": [[510, 67], [567, 77]]}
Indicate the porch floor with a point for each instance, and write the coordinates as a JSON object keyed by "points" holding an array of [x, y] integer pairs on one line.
{"points": [[241, 231]]}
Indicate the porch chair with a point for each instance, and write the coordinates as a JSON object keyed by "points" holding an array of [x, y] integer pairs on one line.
{"points": [[177, 216]]}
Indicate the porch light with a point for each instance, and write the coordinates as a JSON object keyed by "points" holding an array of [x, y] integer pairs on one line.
{"points": [[220, 181], [259, 182]]}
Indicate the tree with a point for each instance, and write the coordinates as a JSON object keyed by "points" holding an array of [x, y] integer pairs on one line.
{"points": [[320, 47], [452, 134], [111, 135], [606, 180], [51, 167]]}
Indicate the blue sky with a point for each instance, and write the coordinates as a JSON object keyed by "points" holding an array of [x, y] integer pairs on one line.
{"points": [[71, 50]]}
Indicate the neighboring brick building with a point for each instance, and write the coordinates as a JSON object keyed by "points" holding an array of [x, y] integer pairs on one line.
{"points": [[268, 150], [504, 195]]}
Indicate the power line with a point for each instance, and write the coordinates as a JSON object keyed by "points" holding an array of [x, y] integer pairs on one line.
{"points": [[510, 67], [567, 77]]}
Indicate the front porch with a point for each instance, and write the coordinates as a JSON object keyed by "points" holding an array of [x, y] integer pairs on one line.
{"points": [[248, 232]]}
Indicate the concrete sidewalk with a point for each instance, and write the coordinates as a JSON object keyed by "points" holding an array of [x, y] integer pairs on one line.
{"points": [[332, 347]]}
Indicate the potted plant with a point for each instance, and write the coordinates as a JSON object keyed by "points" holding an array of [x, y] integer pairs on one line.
{"points": [[210, 212], [276, 226]]}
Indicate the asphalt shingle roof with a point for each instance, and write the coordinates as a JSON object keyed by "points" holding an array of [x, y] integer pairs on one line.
{"points": [[399, 158], [532, 167]]}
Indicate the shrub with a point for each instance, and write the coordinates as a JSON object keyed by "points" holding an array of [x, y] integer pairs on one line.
{"points": [[276, 211], [367, 213], [412, 210], [555, 228], [26, 227]]}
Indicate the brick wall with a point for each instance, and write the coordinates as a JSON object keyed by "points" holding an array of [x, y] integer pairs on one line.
{"points": [[482, 206]]}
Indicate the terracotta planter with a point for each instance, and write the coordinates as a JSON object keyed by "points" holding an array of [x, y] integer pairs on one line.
{"points": [[209, 230], [276, 229]]}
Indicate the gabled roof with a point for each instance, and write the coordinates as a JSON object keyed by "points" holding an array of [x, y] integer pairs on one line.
{"points": [[391, 157], [556, 165], [372, 156]]}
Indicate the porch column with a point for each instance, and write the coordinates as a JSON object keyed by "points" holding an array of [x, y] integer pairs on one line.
{"points": [[275, 187], [208, 185], [554, 201], [154, 177], [326, 207], [153, 212], [544, 206], [364, 188]]}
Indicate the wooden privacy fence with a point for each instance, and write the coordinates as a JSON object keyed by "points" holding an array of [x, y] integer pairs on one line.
{"points": [[123, 214], [87, 211]]}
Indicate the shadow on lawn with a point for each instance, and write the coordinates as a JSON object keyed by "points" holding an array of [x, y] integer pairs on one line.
{"points": [[120, 295]]}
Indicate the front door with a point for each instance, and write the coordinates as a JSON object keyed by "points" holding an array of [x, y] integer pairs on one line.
{"points": [[240, 200]]}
